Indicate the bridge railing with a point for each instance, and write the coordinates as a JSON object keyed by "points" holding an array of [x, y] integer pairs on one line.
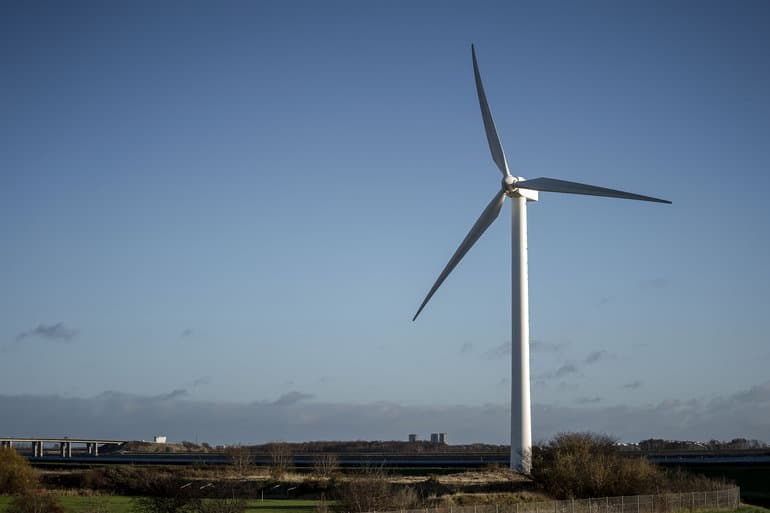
{"points": [[728, 498]]}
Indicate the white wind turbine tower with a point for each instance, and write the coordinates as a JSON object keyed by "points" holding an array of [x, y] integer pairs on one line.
{"points": [[520, 191]]}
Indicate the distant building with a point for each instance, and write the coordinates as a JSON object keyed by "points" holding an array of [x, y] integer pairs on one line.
{"points": [[159, 439], [438, 438], [412, 437]]}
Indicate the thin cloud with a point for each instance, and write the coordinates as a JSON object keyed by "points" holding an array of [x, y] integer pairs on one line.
{"points": [[633, 385], [595, 357], [56, 331], [540, 346], [203, 380], [589, 400], [118, 415], [536, 346], [174, 394], [292, 397], [757, 393], [500, 351], [565, 370]]}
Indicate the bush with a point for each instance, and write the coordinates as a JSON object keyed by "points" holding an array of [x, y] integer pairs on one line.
{"points": [[371, 491], [16, 474], [158, 504], [679, 481], [34, 502], [187, 505], [221, 506], [165, 496], [123, 479], [325, 465], [241, 457], [281, 459], [581, 465]]}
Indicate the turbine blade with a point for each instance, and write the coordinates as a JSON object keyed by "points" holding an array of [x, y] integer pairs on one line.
{"points": [[484, 221], [494, 141], [554, 185]]}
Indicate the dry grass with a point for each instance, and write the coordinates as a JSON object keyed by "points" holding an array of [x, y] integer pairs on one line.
{"points": [[470, 499], [494, 475]]}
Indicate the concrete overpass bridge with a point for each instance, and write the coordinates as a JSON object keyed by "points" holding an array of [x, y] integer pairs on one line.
{"points": [[62, 445]]}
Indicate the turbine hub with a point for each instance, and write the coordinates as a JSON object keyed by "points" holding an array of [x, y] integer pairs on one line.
{"points": [[509, 185]]}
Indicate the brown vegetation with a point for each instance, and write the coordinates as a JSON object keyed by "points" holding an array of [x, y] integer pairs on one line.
{"points": [[281, 459], [17, 477], [241, 457], [582, 465], [371, 491], [35, 501], [325, 465], [16, 474]]}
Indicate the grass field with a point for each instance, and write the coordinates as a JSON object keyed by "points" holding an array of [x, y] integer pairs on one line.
{"points": [[118, 504]]}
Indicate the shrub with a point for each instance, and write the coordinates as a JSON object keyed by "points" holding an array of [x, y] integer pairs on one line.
{"points": [[34, 502], [161, 504], [165, 496], [281, 459], [325, 465], [371, 491], [16, 474], [241, 457], [123, 479], [580, 465], [220, 506], [171, 496], [678, 481]]}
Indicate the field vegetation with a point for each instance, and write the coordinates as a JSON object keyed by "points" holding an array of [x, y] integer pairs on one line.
{"points": [[574, 465]]}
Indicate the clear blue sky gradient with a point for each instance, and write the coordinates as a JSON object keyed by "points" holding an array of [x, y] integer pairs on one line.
{"points": [[244, 199]]}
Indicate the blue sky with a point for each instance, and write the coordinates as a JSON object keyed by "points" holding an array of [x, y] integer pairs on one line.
{"points": [[242, 201]]}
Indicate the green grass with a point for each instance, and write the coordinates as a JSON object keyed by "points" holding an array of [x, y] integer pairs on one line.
{"points": [[282, 506], [120, 504]]}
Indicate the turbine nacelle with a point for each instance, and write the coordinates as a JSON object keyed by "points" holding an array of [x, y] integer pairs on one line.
{"points": [[510, 189]]}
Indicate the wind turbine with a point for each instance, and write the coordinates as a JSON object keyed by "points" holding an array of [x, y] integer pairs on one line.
{"points": [[520, 191]]}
